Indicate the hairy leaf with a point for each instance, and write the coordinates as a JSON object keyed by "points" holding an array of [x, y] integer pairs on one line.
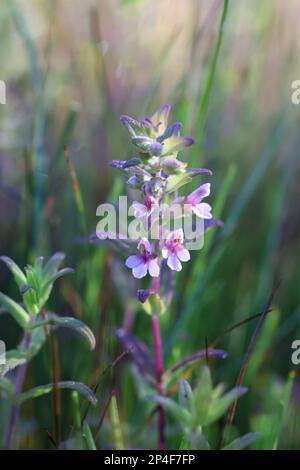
{"points": [[16, 311], [45, 389], [19, 276], [68, 322]]}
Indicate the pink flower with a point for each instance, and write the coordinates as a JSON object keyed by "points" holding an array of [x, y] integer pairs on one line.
{"points": [[201, 209], [144, 211], [174, 250], [141, 264]]}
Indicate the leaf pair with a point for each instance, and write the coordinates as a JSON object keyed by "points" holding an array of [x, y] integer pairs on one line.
{"points": [[201, 407], [35, 285]]}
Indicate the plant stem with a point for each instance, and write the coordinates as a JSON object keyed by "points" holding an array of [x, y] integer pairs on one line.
{"points": [[18, 389], [159, 373]]}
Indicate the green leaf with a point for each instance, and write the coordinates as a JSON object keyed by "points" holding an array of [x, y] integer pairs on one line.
{"points": [[16, 311], [31, 295], [220, 406], [242, 442], [174, 182], [12, 363], [53, 264], [88, 437], [17, 357], [116, 427], [45, 389], [185, 395], [68, 322], [203, 396], [284, 402], [179, 413], [38, 265], [194, 440], [50, 280], [199, 441], [19, 276], [7, 387]]}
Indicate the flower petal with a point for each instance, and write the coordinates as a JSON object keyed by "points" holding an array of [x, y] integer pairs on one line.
{"points": [[178, 235], [200, 193], [212, 223], [153, 268], [133, 261], [183, 254], [139, 209], [165, 252], [145, 245], [140, 271], [202, 210], [174, 263]]}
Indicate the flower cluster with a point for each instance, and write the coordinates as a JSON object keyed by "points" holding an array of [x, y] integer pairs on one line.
{"points": [[157, 173]]}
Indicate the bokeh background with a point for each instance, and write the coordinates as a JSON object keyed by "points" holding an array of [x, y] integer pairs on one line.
{"points": [[71, 68]]}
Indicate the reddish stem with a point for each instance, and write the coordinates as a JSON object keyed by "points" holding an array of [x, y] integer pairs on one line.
{"points": [[159, 373]]}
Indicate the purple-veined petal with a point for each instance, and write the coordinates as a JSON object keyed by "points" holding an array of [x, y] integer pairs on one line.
{"points": [[178, 235], [200, 193], [140, 271], [153, 268], [183, 254], [202, 210], [140, 210], [145, 245], [133, 261], [165, 252], [175, 235], [174, 263]]}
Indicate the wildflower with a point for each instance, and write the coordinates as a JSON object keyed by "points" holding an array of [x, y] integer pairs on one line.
{"points": [[141, 264], [174, 251], [146, 209], [151, 135], [158, 174], [201, 209]]}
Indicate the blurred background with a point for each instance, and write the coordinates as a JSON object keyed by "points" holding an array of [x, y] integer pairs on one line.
{"points": [[71, 68]]}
